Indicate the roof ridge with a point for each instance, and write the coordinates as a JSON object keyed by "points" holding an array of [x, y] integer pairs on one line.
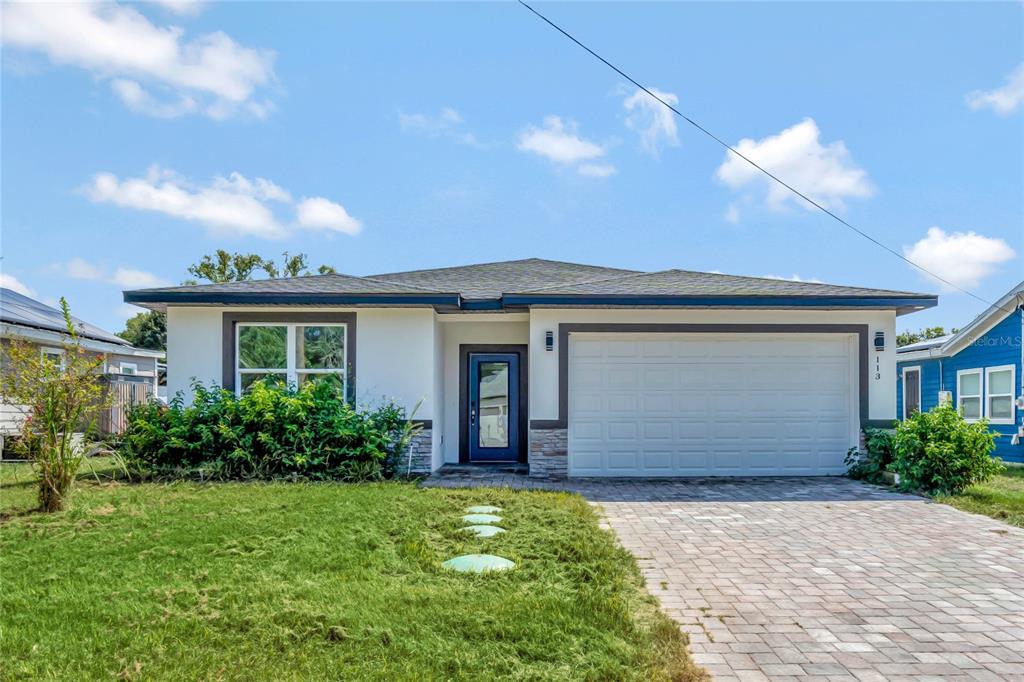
{"points": [[598, 280], [500, 262]]}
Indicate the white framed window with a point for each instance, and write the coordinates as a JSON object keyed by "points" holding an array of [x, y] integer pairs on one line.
{"points": [[54, 355], [968, 394], [130, 368], [291, 353], [911, 391], [999, 394]]}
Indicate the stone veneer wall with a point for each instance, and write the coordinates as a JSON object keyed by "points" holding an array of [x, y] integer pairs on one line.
{"points": [[422, 453], [549, 453]]}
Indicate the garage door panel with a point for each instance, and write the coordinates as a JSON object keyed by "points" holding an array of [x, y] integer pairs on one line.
{"points": [[622, 404], [624, 460], [660, 460], [658, 431], [587, 430], [685, 406], [619, 430], [588, 376]]}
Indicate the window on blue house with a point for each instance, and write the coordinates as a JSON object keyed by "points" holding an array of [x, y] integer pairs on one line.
{"points": [[999, 394], [968, 393]]}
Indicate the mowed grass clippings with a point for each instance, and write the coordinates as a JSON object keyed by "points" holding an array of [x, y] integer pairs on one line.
{"points": [[1002, 497], [320, 581]]}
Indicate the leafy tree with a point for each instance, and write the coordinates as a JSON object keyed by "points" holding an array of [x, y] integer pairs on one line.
{"points": [[149, 330], [227, 267], [239, 267], [146, 330], [908, 337], [60, 400]]}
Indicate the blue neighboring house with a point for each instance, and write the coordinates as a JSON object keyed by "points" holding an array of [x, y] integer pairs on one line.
{"points": [[980, 369]]}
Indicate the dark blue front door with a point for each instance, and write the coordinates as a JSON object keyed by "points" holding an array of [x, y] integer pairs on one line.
{"points": [[493, 407]]}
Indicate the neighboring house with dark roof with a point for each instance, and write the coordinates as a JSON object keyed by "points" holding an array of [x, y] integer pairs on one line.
{"points": [[980, 369], [30, 320], [570, 369]]}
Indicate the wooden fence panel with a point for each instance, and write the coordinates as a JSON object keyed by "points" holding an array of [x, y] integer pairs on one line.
{"points": [[123, 396]]}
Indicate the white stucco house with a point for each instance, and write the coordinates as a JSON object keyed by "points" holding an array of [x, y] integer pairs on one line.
{"points": [[570, 369]]}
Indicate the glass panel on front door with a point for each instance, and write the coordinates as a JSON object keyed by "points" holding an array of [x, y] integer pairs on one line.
{"points": [[493, 407], [493, 410]]}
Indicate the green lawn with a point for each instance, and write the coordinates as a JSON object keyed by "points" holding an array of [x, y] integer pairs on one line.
{"points": [[294, 581], [1001, 498]]}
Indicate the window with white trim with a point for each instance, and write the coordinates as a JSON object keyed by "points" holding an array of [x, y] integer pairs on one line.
{"points": [[968, 393], [999, 383], [54, 355], [129, 368], [290, 353]]}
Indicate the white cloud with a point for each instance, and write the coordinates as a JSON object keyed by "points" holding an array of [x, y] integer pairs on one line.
{"points": [[447, 123], [221, 208], [962, 258], [596, 170], [210, 73], [137, 279], [825, 173], [1005, 100], [138, 100], [131, 278], [558, 142], [231, 205], [77, 268], [317, 213], [793, 278], [182, 7], [655, 123], [8, 281], [732, 214]]}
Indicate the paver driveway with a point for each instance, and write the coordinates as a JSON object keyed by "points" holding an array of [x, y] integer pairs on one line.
{"points": [[801, 579]]}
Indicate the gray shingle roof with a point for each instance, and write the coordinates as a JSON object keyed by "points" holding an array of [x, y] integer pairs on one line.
{"points": [[311, 284], [491, 280], [689, 283], [22, 310]]}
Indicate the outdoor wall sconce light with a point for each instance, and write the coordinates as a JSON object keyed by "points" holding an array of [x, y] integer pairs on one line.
{"points": [[549, 340], [879, 341]]}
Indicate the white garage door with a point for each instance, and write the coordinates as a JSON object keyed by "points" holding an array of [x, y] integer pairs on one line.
{"points": [[711, 405]]}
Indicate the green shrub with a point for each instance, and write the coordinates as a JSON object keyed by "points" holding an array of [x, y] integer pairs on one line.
{"points": [[939, 452], [271, 431], [877, 458]]}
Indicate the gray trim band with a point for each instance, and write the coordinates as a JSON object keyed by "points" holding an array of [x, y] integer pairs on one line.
{"points": [[564, 329], [232, 318]]}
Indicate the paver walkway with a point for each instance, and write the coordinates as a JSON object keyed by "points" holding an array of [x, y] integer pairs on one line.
{"points": [[820, 579]]}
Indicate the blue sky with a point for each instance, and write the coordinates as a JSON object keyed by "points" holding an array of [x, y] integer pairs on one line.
{"points": [[375, 138]]}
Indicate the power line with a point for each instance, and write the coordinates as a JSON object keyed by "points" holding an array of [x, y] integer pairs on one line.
{"points": [[732, 149]]}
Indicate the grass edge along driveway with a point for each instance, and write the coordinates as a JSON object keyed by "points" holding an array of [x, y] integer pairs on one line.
{"points": [[307, 581], [1001, 498]]}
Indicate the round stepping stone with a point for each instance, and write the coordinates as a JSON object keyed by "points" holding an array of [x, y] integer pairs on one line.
{"points": [[479, 563], [474, 519], [484, 531], [483, 509]]}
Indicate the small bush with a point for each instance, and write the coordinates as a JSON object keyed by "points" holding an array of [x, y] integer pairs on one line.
{"points": [[269, 432], [870, 465], [939, 452]]}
